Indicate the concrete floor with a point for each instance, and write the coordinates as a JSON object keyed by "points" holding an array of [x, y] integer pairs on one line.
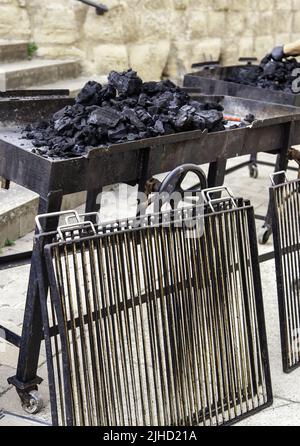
{"points": [[286, 388]]}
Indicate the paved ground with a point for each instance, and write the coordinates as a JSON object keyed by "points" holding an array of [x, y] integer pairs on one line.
{"points": [[286, 408]]}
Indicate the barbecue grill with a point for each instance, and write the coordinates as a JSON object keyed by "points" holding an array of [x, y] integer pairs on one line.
{"points": [[157, 321], [211, 80], [276, 128]]}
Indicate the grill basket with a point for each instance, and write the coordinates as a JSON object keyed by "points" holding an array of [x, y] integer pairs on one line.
{"points": [[156, 321], [285, 201]]}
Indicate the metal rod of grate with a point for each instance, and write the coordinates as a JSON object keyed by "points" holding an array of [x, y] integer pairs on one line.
{"points": [[157, 324], [286, 226]]}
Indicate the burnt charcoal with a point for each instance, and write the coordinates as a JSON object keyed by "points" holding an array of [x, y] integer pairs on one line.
{"points": [[250, 118], [90, 94], [62, 124], [118, 134], [159, 127], [133, 119], [270, 74], [211, 117], [184, 120], [105, 116], [126, 83], [108, 92], [151, 88], [124, 110]]}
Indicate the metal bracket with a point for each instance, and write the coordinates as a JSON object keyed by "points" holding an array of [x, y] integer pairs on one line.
{"points": [[54, 214], [276, 175], [25, 387], [206, 194]]}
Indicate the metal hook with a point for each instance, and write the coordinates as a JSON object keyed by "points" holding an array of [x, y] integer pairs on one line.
{"points": [[206, 194], [276, 174], [54, 214]]}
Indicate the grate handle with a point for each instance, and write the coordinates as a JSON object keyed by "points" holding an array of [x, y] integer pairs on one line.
{"points": [[207, 196], [81, 216], [80, 225], [54, 214], [273, 177]]}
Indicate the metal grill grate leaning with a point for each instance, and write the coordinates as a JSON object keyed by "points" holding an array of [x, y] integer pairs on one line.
{"points": [[156, 325], [285, 200]]}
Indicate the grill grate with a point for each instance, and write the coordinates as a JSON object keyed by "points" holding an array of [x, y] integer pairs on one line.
{"points": [[286, 227], [157, 325]]}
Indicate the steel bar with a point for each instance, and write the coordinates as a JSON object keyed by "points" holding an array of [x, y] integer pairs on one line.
{"points": [[10, 337], [13, 260]]}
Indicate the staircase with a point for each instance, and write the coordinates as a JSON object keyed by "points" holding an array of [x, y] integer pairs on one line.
{"points": [[18, 206]]}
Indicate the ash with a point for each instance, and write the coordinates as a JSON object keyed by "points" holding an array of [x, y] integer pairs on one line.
{"points": [[270, 74], [124, 110]]}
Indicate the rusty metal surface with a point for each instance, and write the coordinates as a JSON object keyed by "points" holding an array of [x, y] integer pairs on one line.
{"points": [[122, 162]]}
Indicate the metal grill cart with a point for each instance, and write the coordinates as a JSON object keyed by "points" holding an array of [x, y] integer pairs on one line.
{"points": [[274, 131], [211, 79], [157, 321], [285, 200]]}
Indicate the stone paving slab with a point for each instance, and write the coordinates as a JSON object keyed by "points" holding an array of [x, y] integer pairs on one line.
{"points": [[12, 420]]}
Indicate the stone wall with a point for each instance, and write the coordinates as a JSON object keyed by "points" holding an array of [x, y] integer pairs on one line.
{"points": [[155, 37]]}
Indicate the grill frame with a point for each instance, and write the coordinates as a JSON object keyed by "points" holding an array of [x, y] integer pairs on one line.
{"points": [[46, 256], [286, 266]]}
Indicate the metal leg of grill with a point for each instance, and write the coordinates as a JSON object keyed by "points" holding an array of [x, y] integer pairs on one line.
{"points": [[26, 379], [216, 173]]}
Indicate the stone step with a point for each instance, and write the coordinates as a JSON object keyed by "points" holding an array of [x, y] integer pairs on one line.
{"points": [[11, 51], [38, 72], [73, 85], [18, 208]]}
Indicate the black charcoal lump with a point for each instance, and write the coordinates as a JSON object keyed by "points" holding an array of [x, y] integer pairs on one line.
{"points": [[124, 110], [270, 74]]}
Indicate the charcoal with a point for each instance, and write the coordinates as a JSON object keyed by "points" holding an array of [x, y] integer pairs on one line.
{"points": [[124, 110], [105, 116], [90, 94], [270, 74], [126, 83], [250, 118], [159, 127], [132, 117], [118, 134]]}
